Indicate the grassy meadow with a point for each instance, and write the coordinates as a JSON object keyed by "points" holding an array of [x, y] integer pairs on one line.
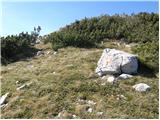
{"points": [[59, 80]]}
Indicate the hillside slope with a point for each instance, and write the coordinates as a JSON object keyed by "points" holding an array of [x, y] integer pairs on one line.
{"points": [[66, 80]]}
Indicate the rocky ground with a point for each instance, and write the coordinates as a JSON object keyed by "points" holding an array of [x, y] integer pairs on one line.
{"points": [[63, 84]]}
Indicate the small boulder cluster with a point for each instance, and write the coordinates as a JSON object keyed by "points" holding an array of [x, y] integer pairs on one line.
{"points": [[115, 62]]}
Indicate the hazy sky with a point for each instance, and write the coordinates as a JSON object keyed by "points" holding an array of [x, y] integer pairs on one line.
{"points": [[23, 16]]}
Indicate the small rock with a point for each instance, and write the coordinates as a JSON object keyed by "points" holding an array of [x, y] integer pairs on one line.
{"points": [[3, 105], [55, 53], [28, 84], [99, 113], [59, 115], [81, 101], [111, 79], [17, 82], [124, 76], [21, 87], [90, 110], [10, 68], [3, 98], [121, 97], [74, 116], [141, 87], [48, 52], [40, 53], [24, 85], [54, 72], [90, 102], [100, 74]]}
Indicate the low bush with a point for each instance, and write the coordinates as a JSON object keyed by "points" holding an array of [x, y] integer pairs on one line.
{"points": [[88, 32], [64, 39], [148, 54], [14, 45]]}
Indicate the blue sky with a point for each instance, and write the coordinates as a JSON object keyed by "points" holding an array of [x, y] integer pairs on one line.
{"points": [[23, 16]]}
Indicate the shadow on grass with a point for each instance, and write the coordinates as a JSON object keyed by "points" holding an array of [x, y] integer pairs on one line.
{"points": [[23, 55], [145, 70]]}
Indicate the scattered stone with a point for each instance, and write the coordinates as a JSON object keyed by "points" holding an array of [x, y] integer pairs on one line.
{"points": [[111, 79], [54, 72], [40, 53], [99, 113], [17, 82], [3, 98], [100, 74], [3, 105], [10, 68], [55, 53], [74, 117], [58, 116], [121, 97], [141, 87], [21, 87], [124, 76], [48, 52], [90, 110], [28, 84], [90, 102], [115, 61], [24, 85]]}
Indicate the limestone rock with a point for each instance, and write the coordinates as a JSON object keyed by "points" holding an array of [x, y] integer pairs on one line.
{"points": [[115, 62], [40, 53], [99, 113], [141, 87], [89, 110], [3, 98], [24, 85], [124, 76], [55, 53], [111, 79], [21, 87]]}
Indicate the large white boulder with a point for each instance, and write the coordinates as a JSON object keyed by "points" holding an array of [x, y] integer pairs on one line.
{"points": [[115, 62]]}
